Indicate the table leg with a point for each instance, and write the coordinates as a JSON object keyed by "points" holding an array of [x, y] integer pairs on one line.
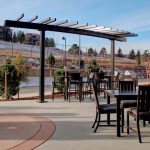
{"points": [[118, 117]]}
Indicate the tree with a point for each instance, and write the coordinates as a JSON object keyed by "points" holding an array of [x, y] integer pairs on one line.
{"points": [[8, 78], [21, 36], [59, 80], [95, 53], [92, 67], [74, 49], [22, 39], [90, 51], [19, 64], [138, 56], [146, 53], [93, 62], [47, 42], [103, 51], [50, 61], [14, 38], [132, 54], [120, 54], [51, 42]]}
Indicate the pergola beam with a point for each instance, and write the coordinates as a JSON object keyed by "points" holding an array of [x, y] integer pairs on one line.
{"points": [[38, 26]]}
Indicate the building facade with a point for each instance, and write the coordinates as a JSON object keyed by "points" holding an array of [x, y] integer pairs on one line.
{"points": [[32, 38]]}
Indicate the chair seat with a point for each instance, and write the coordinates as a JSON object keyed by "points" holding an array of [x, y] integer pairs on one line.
{"points": [[143, 115], [108, 108], [102, 80], [128, 103]]}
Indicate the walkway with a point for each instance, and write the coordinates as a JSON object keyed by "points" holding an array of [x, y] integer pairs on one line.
{"points": [[73, 127]]}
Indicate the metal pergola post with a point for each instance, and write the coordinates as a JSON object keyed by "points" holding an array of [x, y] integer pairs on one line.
{"points": [[112, 60], [79, 52], [42, 67]]}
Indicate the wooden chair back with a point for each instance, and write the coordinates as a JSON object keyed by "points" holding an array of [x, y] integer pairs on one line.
{"points": [[74, 76], [143, 101], [126, 85]]}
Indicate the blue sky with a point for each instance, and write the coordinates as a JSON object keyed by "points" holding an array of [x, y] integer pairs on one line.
{"points": [[128, 15]]}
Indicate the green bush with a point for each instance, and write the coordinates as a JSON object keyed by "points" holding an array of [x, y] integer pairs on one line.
{"points": [[59, 79], [93, 67], [12, 80]]}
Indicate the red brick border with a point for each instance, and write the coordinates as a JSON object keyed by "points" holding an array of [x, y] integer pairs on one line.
{"points": [[47, 129]]}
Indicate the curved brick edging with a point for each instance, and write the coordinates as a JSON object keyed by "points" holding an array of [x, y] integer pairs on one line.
{"points": [[44, 131]]}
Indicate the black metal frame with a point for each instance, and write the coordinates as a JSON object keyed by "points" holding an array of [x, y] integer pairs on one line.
{"points": [[43, 26]]}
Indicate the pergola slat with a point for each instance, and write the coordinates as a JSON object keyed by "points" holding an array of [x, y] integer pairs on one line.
{"points": [[33, 19]]}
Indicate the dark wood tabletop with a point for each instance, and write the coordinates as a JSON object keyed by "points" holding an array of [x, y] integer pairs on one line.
{"points": [[122, 94]]}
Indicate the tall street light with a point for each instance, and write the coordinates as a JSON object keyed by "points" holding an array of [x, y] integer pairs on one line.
{"points": [[31, 48], [64, 38], [12, 52], [66, 88]]}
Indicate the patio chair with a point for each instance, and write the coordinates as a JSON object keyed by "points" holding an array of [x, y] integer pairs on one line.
{"points": [[125, 86], [87, 85], [101, 108], [142, 111], [103, 83], [75, 86]]}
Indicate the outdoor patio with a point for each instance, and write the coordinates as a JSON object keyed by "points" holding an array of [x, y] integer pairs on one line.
{"points": [[73, 126]]}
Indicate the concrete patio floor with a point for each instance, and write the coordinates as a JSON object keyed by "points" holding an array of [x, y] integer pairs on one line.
{"points": [[73, 126]]}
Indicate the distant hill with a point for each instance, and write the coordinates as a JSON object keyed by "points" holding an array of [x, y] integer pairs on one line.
{"points": [[36, 49]]}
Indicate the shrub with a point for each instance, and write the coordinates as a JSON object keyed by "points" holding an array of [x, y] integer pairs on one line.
{"points": [[92, 67], [59, 80], [12, 80]]}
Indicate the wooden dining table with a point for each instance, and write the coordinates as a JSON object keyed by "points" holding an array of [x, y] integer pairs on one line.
{"points": [[120, 96]]}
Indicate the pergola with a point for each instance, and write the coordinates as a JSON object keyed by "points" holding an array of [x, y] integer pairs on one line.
{"points": [[51, 24]]}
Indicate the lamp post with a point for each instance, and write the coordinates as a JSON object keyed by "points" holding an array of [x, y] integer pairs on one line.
{"points": [[12, 52], [31, 48], [64, 38], [66, 87]]}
